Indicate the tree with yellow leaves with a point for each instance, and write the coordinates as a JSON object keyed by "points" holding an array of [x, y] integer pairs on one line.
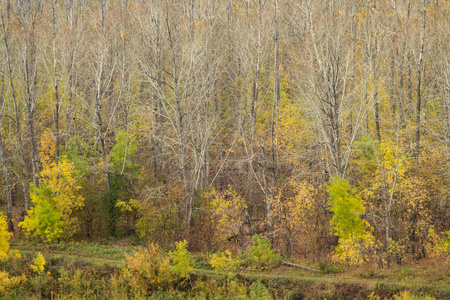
{"points": [[5, 252], [55, 198], [355, 234], [230, 212]]}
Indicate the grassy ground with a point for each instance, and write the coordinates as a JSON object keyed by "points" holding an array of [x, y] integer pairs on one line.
{"points": [[424, 277], [335, 282], [93, 254]]}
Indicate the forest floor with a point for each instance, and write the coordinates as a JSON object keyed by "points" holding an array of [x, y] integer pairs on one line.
{"points": [[426, 276]]}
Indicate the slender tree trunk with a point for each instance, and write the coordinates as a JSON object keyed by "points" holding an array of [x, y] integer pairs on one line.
{"points": [[419, 82], [181, 130], [255, 89], [4, 163], [55, 85], [30, 82], [24, 180], [375, 75], [71, 108], [99, 100], [274, 118], [410, 91], [98, 109], [276, 92], [401, 76], [366, 77]]}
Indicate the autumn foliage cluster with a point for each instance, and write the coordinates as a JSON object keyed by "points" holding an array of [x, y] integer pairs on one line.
{"points": [[323, 125]]}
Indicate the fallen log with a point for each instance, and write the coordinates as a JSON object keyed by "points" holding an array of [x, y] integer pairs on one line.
{"points": [[299, 266]]}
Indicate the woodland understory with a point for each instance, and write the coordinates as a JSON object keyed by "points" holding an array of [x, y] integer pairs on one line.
{"points": [[322, 125]]}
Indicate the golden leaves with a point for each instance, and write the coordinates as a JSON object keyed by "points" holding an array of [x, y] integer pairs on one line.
{"points": [[56, 196], [229, 209]]}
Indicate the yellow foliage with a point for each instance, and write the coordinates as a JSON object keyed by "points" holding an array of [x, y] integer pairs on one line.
{"points": [[147, 270], [130, 206], [48, 149], [54, 200], [414, 207], [236, 290], [38, 263], [372, 296], [438, 246], [61, 181], [292, 129], [229, 209], [355, 234], [300, 209], [396, 248], [354, 250], [182, 260], [4, 239], [223, 262], [406, 295], [5, 252], [9, 283], [383, 164]]}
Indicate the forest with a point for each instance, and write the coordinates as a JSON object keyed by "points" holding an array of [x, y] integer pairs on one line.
{"points": [[183, 145]]}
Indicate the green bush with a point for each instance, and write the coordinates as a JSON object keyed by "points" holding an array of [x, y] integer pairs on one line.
{"points": [[223, 262], [262, 254], [258, 291], [182, 260], [329, 269]]}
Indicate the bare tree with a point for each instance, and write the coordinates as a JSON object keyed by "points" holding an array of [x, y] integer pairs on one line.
{"points": [[420, 64], [183, 86], [328, 89], [24, 179], [30, 12], [55, 83], [374, 54], [100, 86]]}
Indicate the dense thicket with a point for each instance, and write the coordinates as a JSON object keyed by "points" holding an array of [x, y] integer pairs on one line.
{"points": [[215, 120]]}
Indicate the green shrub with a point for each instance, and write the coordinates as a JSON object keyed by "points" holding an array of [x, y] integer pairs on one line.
{"points": [[182, 260], [329, 269], [262, 253], [41, 286], [234, 289], [258, 291], [223, 262]]}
